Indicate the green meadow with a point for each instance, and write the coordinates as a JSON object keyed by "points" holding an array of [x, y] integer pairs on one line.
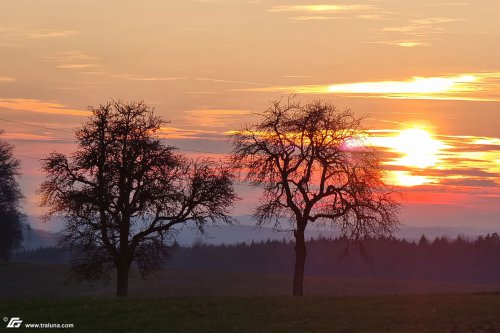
{"points": [[409, 313], [240, 302]]}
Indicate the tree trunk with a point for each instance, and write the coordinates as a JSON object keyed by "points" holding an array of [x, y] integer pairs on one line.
{"points": [[122, 270], [300, 261], [123, 262]]}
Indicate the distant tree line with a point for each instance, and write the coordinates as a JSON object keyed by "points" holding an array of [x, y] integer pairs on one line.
{"points": [[442, 259], [459, 260]]}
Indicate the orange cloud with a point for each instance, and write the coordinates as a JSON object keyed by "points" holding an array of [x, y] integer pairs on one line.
{"points": [[48, 33], [319, 8], [133, 77], [417, 157], [34, 105], [180, 133], [321, 12], [311, 18], [28, 137], [214, 117], [465, 87], [403, 43], [76, 66]]}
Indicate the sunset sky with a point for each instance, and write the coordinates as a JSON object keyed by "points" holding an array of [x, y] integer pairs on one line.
{"points": [[426, 75]]}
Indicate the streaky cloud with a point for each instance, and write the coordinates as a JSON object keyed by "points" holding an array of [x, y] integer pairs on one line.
{"points": [[29, 136], [168, 132], [461, 87], [49, 34], [76, 66], [312, 18], [39, 106], [214, 118], [403, 43], [228, 81], [147, 78], [17, 34], [320, 8]]}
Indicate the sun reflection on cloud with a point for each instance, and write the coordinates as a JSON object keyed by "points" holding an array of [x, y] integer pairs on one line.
{"points": [[319, 8], [411, 44], [405, 178], [414, 148], [417, 146], [417, 85], [415, 156], [467, 87]]}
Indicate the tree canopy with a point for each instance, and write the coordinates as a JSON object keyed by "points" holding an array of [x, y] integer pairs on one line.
{"points": [[315, 166], [11, 218], [123, 192]]}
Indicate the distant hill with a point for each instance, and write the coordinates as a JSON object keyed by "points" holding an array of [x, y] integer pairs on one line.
{"points": [[246, 232]]}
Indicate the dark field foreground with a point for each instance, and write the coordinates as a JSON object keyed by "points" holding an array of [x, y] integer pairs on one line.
{"points": [[43, 280], [241, 302], [430, 313]]}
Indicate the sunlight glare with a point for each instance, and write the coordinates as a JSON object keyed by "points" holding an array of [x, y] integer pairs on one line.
{"points": [[418, 85], [417, 148], [405, 178]]}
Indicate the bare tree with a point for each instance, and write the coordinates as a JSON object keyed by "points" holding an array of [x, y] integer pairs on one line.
{"points": [[123, 191], [11, 219], [314, 167]]}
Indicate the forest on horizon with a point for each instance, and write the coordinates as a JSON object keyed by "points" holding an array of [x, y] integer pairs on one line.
{"points": [[458, 260]]}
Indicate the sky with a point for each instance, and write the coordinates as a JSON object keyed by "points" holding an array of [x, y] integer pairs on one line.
{"points": [[424, 74]]}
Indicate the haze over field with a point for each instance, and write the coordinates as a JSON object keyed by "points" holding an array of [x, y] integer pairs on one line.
{"points": [[426, 75]]}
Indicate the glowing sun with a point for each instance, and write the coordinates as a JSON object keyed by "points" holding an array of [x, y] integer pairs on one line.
{"points": [[418, 147]]}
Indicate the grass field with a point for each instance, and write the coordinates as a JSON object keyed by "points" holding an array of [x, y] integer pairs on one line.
{"points": [[436, 313], [40, 281], [241, 302]]}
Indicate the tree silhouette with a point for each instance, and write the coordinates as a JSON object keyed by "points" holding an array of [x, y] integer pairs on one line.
{"points": [[11, 219], [123, 191], [314, 167]]}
